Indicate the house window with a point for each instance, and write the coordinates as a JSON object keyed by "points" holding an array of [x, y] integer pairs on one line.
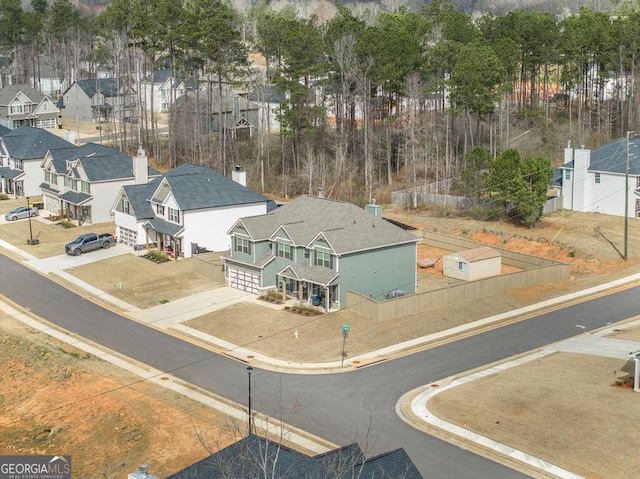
{"points": [[284, 250], [323, 259], [18, 164], [66, 98], [15, 109], [50, 177], [174, 215], [567, 174], [160, 210], [597, 177], [71, 183], [242, 245], [463, 266], [86, 187], [125, 206]]}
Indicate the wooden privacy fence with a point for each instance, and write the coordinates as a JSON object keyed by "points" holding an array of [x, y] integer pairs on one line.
{"points": [[209, 265], [535, 270]]}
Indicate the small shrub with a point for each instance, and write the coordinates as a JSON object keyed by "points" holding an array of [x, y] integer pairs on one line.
{"points": [[3, 196], [156, 255], [67, 224], [571, 254], [286, 307]]}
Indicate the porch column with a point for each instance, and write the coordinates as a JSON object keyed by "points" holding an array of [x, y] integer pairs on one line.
{"points": [[326, 299], [300, 283], [284, 289]]}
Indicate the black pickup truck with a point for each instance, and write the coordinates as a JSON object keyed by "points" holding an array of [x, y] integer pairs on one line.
{"points": [[89, 242]]}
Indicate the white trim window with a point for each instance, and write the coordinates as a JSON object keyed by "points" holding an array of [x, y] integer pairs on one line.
{"points": [[174, 215]]}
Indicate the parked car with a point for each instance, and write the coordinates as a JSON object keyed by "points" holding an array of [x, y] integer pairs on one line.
{"points": [[89, 242], [21, 212]]}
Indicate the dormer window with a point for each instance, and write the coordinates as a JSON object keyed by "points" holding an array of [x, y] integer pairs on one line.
{"points": [[284, 250], [241, 245], [160, 210], [174, 215], [323, 259]]}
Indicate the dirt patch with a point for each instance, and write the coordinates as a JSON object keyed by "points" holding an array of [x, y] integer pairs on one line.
{"points": [[562, 408], [630, 334], [141, 282], [82, 403]]}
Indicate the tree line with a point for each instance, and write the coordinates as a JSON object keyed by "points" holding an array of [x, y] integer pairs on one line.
{"points": [[369, 99]]}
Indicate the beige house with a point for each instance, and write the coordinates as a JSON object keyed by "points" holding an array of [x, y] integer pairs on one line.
{"points": [[472, 264]]}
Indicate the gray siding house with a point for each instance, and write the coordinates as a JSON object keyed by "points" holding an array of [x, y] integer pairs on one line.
{"points": [[319, 248], [23, 105], [96, 99]]}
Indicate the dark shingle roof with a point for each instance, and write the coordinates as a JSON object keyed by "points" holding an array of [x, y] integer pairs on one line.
{"points": [[4, 130], [10, 173], [612, 157], [138, 196], [345, 226], [196, 187], [27, 143], [100, 163], [247, 457], [75, 197], [108, 86]]}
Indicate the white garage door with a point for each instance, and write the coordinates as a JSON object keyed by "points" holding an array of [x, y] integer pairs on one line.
{"points": [[244, 280], [126, 236]]}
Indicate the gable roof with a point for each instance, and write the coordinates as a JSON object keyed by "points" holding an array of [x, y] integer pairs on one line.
{"points": [[100, 162], [138, 196], [246, 457], [346, 227], [196, 187], [108, 86], [612, 157], [8, 93], [27, 143]]}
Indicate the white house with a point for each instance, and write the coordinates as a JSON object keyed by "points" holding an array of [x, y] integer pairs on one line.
{"points": [[82, 182], [21, 154], [594, 181], [476, 263], [189, 208]]}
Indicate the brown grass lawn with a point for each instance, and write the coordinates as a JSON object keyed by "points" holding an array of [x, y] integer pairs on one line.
{"points": [[51, 234], [563, 408], [141, 282]]}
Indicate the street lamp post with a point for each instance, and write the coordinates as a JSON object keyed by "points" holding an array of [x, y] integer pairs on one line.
{"points": [[250, 419], [30, 228]]}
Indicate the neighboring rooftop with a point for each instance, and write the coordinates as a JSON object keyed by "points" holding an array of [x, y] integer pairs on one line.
{"points": [[27, 142], [248, 457], [346, 227]]}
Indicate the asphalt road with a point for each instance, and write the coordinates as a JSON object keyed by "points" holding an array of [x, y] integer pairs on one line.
{"points": [[342, 408]]}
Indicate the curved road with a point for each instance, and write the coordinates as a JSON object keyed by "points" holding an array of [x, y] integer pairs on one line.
{"points": [[341, 408]]}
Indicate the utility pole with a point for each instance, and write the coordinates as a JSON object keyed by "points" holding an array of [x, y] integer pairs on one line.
{"points": [[626, 202]]}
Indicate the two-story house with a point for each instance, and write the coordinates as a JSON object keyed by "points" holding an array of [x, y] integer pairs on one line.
{"points": [[316, 247], [95, 99], [82, 182], [189, 208], [598, 180], [159, 90], [23, 105], [21, 153]]}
